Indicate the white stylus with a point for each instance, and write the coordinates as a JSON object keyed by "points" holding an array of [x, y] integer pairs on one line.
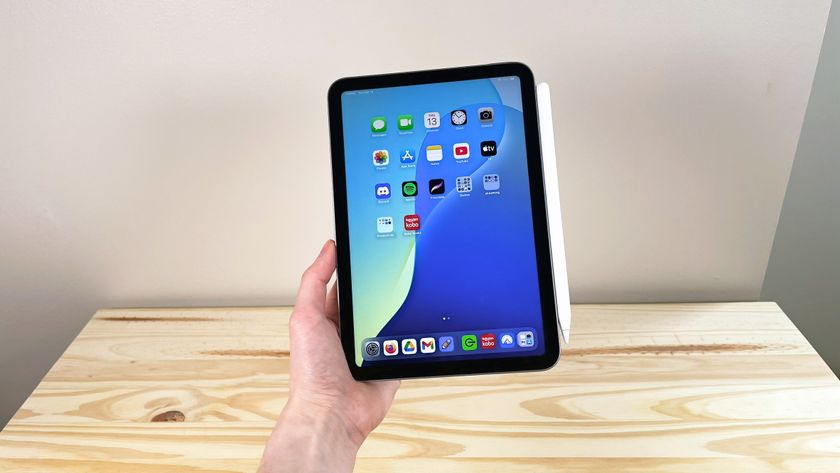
{"points": [[555, 222]]}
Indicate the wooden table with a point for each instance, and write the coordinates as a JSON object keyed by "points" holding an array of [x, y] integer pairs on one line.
{"points": [[642, 388]]}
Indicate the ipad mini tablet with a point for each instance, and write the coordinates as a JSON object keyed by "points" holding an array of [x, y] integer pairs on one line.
{"points": [[444, 265]]}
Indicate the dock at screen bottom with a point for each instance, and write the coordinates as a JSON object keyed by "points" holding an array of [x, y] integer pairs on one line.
{"points": [[461, 343]]}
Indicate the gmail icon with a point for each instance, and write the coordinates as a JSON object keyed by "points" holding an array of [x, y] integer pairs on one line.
{"points": [[427, 345]]}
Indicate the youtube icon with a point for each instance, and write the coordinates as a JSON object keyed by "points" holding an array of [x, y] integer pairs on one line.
{"points": [[461, 150]]}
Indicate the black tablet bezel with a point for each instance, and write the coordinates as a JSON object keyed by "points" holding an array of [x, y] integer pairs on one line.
{"points": [[538, 209]]}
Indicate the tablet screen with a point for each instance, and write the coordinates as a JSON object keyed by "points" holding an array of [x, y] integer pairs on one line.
{"points": [[441, 232]]}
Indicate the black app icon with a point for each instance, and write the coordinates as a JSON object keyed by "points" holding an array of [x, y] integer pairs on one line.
{"points": [[436, 187], [458, 117], [409, 188], [488, 148]]}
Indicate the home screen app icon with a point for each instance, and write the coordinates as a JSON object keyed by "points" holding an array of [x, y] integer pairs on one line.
{"points": [[411, 223], [491, 182], [427, 345], [407, 156], [382, 191], [384, 225], [409, 346], [372, 349], [461, 150], [409, 188], [431, 119], [405, 122], [488, 148], [463, 184], [458, 117], [525, 339], [378, 125], [390, 347], [434, 153], [446, 344], [380, 157]]}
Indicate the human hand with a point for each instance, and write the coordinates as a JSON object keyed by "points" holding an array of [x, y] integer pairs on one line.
{"points": [[329, 414]]}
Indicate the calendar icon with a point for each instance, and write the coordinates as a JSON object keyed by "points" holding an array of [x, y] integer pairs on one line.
{"points": [[491, 182], [463, 184]]}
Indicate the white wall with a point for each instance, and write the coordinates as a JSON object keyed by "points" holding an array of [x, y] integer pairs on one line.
{"points": [[176, 153]]}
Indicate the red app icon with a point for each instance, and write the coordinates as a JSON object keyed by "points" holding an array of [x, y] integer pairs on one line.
{"points": [[411, 222], [488, 341]]}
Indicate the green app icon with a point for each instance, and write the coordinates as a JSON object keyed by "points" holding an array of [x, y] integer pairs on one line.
{"points": [[405, 122], [468, 342], [409, 188], [378, 125]]}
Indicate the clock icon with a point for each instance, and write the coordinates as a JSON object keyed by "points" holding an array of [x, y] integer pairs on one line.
{"points": [[459, 117]]}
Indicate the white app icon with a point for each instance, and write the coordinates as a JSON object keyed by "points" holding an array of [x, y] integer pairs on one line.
{"points": [[380, 157], [507, 340], [434, 153], [461, 150], [409, 346], [390, 347], [463, 184], [491, 182], [384, 225], [427, 345], [431, 119]]}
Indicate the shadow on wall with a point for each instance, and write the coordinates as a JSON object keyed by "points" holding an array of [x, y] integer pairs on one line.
{"points": [[803, 275]]}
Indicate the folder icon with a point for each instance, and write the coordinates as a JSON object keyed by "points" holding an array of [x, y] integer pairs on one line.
{"points": [[434, 153]]}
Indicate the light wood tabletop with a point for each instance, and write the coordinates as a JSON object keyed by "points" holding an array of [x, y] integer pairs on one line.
{"points": [[730, 387]]}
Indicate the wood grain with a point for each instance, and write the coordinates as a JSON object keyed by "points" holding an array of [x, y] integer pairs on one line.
{"points": [[642, 388]]}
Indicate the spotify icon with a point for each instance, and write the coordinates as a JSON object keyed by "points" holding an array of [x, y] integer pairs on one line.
{"points": [[409, 188]]}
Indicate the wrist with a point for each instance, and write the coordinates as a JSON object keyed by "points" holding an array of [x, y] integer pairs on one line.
{"points": [[326, 418], [310, 438]]}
